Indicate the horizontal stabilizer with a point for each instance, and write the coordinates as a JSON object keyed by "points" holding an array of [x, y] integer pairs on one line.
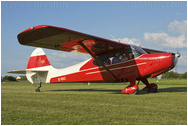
{"points": [[24, 71], [17, 71]]}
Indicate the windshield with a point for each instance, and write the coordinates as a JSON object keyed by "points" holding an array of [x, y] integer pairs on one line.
{"points": [[137, 51]]}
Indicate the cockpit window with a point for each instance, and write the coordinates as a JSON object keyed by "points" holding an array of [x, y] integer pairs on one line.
{"points": [[137, 51], [129, 51], [102, 58], [117, 57]]}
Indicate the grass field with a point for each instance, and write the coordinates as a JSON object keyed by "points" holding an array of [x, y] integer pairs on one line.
{"points": [[93, 104]]}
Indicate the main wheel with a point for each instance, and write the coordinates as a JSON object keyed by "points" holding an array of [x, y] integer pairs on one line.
{"points": [[136, 92], [154, 88], [152, 91]]}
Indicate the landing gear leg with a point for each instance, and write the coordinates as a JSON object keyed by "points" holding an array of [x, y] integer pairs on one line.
{"points": [[151, 88], [38, 89], [132, 88]]}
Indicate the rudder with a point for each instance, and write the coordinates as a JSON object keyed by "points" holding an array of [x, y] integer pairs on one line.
{"points": [[38, 67], [38, 59]]}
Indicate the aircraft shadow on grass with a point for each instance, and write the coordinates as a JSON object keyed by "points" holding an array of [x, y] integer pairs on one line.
{"points": [[173, 89], [92, 90], [169, 89]]}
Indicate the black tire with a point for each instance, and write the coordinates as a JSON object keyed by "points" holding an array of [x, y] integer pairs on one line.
{"points": [[37, 90], [136, 92], [155, 90]]}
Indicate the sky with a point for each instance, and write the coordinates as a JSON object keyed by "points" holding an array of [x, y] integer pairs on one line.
{"points": [[155, 25]]}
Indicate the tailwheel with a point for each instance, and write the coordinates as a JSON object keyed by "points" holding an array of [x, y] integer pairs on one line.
{"points": [[38, 89]]}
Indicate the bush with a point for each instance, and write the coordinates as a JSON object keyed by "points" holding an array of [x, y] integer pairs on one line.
{"points": [[183, 76], [172, 74], [8, 78]]}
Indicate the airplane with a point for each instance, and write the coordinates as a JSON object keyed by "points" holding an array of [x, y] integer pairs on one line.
{"points": [[110, 61]]}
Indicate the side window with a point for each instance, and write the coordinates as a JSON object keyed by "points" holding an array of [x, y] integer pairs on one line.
{"points": [[117, 57], [129, 51], [102, 58]]}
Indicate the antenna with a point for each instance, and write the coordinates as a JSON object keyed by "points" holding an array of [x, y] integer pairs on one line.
{"points": [[113, 37]]}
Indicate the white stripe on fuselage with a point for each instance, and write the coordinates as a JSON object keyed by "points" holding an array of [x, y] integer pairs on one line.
{"points": [[65, 71], [116, 68]]}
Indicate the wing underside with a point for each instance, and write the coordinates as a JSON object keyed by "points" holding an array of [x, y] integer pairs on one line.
{"points": [[66, 40], [63, 39]]}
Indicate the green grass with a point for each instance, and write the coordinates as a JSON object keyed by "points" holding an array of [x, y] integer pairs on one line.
{"points": [[96, 104]]}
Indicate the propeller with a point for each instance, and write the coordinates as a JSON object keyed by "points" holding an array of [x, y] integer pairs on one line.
{"points": [[177, 55]]}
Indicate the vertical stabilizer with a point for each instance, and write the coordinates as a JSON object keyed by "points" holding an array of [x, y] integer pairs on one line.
{"points": [[38, 67], [38, 60]]}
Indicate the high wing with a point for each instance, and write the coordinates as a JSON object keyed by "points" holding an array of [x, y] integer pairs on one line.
{"points": [[66, 40], [149, 51], [63, 39]]}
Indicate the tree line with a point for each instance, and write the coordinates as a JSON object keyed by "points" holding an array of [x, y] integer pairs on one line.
{"points": [[11, 78], [175, 75]]}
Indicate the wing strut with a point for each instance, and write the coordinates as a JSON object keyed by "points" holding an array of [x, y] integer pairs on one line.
{"points": [[80, 43]]}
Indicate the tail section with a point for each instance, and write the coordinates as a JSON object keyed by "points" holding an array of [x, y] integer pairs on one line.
{"points": [[38, 60], [38, 67]]}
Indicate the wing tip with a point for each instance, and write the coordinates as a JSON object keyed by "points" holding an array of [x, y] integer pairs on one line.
{"points": [[35, 27]]}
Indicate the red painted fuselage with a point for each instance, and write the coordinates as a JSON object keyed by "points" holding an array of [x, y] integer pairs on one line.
{"points": [[142, 66]]}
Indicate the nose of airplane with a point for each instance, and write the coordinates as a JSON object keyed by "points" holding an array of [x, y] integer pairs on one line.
{"points": [[177, 55], [175, 58]]}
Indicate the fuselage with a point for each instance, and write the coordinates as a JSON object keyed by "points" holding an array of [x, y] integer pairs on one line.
{"points": [[142, 66]]}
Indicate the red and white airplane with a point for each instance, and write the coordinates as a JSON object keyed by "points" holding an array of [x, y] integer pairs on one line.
{"points": [[111, 61]]}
